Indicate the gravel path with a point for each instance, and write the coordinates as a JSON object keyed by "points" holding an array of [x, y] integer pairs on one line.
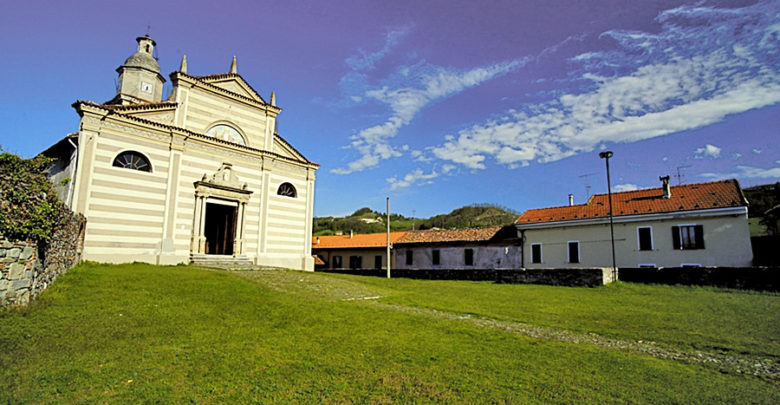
{"points": [[334, 289], [760, 367]]}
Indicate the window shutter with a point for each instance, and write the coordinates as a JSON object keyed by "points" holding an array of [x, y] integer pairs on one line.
{"points": [[676, 237], [699, 237]]}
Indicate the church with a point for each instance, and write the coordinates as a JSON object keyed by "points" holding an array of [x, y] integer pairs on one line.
{"points": [[202, 175]]}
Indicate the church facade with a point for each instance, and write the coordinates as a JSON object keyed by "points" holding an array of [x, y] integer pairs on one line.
{"points": [[203, 174]]}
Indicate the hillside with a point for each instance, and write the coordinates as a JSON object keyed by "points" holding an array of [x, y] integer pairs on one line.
{"points": [[366, 220]]}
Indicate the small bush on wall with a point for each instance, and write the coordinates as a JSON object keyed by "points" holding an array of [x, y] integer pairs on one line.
{"points": [[29, 206]]}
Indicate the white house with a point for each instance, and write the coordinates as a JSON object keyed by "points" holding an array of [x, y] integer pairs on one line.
{"points": [[702, 224], [483, 248]]}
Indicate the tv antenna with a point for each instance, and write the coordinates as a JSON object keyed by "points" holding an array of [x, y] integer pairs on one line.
{"points": [[679, 174], [587, 185]]}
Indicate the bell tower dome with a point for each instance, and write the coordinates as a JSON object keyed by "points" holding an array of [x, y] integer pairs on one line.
{"points": [[140, 80]]}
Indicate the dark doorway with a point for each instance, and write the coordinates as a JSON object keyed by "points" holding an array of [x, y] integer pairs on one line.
{"points": [[220, 230]]}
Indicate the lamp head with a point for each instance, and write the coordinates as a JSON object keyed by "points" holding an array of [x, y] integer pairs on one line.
{"points": [[606, 154]]}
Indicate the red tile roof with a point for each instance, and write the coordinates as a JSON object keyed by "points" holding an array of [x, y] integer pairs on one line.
{"points": [[688, 197], [366, 240], [449, 235]]}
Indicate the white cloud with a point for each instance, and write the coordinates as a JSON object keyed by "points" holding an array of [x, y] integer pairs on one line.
{"points": [[708, 150], [405, 102], [418, 177], [757, 151], [746, 172], [736, 155], [700, 73], [625, 187]]}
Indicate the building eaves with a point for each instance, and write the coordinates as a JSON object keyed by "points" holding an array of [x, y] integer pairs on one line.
{"points": [[78, 103], [355, 241], [449, 235], [689, 197], [200, 80]]}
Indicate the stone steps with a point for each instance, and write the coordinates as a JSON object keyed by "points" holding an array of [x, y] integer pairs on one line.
{"points": [[222, 261]]}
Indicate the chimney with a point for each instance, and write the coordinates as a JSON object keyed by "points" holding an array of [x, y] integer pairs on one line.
{"points": [[667, 188], [350, 234], [571, 200], [318, 240]]}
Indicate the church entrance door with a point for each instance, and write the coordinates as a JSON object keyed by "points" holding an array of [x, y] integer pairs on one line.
{"points": [[220, 229]]}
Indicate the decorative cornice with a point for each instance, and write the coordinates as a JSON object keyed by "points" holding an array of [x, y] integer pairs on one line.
{"points": [[174, 130]]}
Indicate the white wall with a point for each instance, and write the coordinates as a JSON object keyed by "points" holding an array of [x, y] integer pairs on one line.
{"points": [[726, 243], [485, 257]]}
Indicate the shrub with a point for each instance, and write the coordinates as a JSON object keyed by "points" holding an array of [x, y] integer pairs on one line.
{"points": [[29, 206]]}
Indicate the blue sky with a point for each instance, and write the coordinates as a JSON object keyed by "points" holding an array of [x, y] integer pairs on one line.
{"points": [[440, 104]]}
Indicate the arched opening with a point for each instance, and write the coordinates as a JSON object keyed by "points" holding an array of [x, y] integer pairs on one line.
{"points": [[132, 160], [287, 190]]}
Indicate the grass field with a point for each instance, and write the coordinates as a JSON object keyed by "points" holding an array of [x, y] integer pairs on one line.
{"points": [[141, 333]]}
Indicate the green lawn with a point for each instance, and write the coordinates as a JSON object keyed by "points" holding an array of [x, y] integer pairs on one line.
{"points": [[756, 227], [140, 333]]}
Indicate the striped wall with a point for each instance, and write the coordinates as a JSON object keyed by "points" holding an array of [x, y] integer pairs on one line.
{"points": [[124, 207], [204, 109], [134, 215]]}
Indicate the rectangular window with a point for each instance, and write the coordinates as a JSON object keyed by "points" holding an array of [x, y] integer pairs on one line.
{"points": [[378, 262], [536, 253], [336, 262], [468, 257], [409, 257], [435, 258], [685, 237], [574, 252], [644, 236], [356, 262]]}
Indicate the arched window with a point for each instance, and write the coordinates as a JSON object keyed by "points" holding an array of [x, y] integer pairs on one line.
{"points": [[226, 133], [287, 190], [133, 160]]}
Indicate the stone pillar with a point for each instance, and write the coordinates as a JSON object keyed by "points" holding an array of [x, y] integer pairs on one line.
{"points": [[198, 244], [238, 243]]}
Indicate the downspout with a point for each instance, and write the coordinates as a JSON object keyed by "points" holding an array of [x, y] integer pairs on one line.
{"points": [[522, 248]]}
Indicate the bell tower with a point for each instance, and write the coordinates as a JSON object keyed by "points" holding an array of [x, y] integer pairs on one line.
{"points": [[140, 80]]}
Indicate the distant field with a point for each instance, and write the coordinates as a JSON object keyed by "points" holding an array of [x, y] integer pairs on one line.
{"points": [[141, 333]]}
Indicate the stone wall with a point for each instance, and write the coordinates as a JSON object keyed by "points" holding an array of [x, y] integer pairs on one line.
{"points": [[18, 262], [745, 278], [585, 277], [27, 267], [589, 277]]}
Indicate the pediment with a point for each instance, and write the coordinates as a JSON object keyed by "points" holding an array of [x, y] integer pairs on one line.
{"points": [[223, 183], [282, 148], [233, 83]]}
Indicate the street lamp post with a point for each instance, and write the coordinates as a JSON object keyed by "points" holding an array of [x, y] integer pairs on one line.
{"points": [[606, 155]]}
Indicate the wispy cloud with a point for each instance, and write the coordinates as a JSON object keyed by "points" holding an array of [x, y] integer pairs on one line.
{"points": [[746, 172], [625, 187], [366, 60], [418, 177], [704, 65], [431, 83], [708, 150]]}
